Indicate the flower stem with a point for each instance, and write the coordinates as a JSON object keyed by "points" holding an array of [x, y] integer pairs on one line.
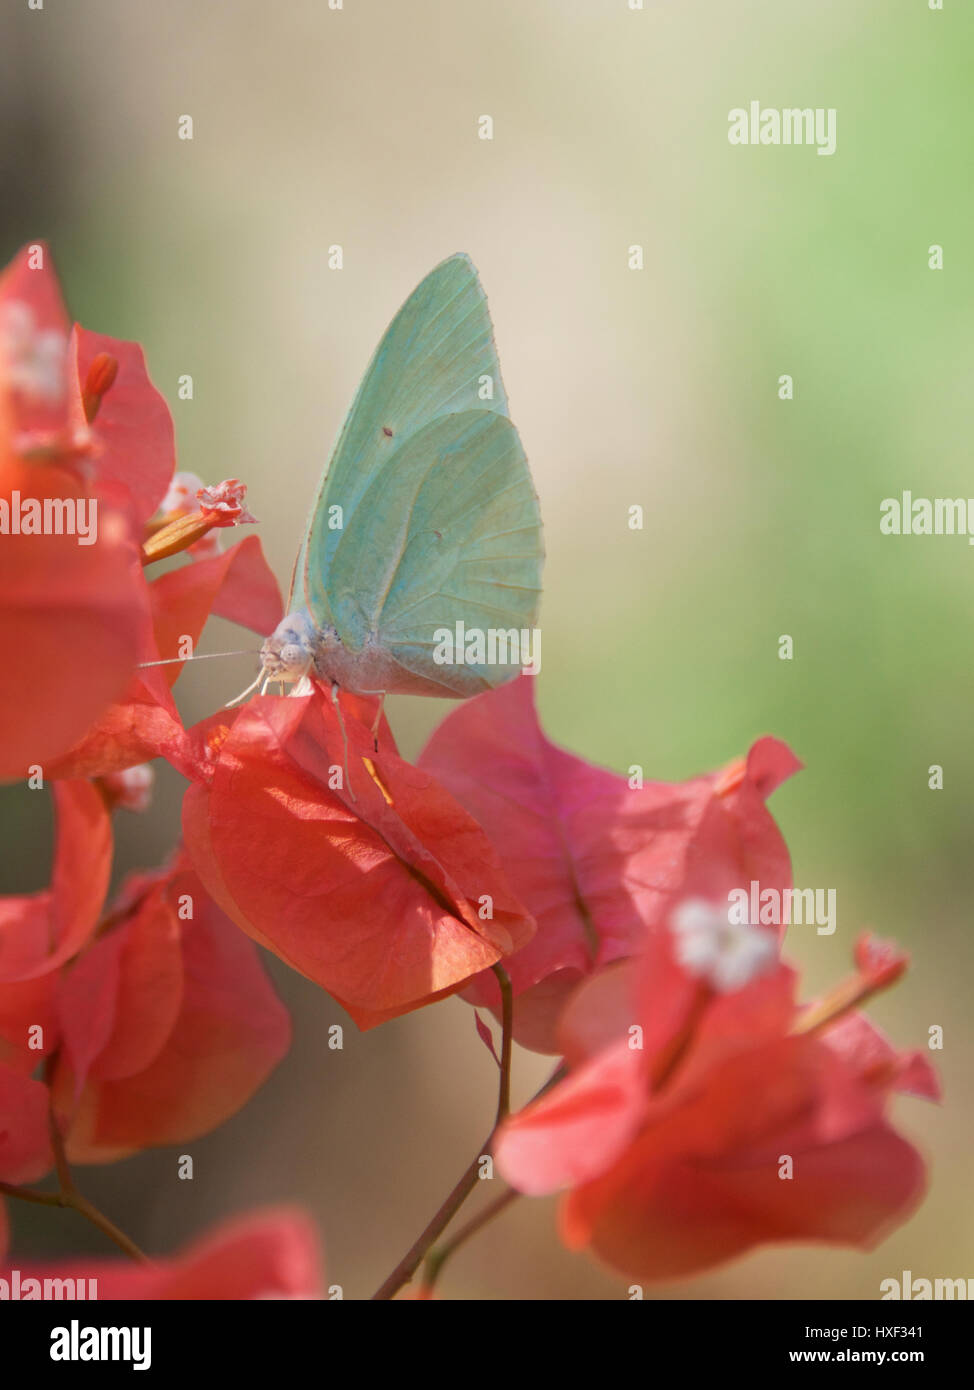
{"points": [[31, 1194], [507, 1043], [73, 1200], [64, 1178], [438, 1257], [413, 1257], [67, 1194], [98, 1218]]}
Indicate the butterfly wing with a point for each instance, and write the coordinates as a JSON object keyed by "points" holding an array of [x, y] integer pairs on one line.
{"points": [[450, 532], [437, 357]]}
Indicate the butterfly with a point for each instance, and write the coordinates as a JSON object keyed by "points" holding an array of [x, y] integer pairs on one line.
{"points": [[426, 523]]}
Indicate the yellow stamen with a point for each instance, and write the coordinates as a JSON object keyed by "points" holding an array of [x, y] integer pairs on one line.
{"points": [[370, 769]]}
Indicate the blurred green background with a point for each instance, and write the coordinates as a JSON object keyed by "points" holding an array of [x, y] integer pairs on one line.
{"points": [[656, 387]]}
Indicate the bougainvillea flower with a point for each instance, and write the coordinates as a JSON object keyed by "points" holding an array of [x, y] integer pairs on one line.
{"points": [[34, 331], [82, 426], [222, 505], [595, 859], [187, 527], [272, 1253], [144, 723], [168, 1023], [78, 398], [71, 617], [686, 1133], [381, 889], [132, 450], [157, 1012], [73, 607]]}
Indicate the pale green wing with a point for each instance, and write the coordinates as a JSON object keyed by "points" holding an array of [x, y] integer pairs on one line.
{"points": [[437, 357], [450, 532]]}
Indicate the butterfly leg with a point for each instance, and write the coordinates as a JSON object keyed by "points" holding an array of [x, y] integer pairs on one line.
{"points": [[341, 724], [231, 704], [375, 722], [374, 731]]}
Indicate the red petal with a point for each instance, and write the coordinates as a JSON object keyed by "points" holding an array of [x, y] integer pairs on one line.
{"points": [[376, 902], [580, 1128], [866, 1049], [71, 622], [265, 1254], [595, 860], [36, 295], [486, 1037], [655, 1220], [38, 288], [25, 1148], [145, 723], [86, 998], [120, 1001], [229, 1034], [250, 594], [26, 1005], [599, 1012], [134, 447], [769, 763]]}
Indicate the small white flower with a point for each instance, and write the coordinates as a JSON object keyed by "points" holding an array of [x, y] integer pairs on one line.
{"points": [[181, 496], [34, 359], [132, 787], [728, 955]]}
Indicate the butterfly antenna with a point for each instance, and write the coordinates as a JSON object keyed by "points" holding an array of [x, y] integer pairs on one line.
{"points": [[202, 656], [341, 725]]}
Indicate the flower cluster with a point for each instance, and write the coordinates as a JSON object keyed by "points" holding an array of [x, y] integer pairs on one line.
{"points": [[698, 1109]]}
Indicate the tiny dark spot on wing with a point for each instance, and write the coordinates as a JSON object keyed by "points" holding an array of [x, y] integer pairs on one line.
{"points": [[387, 431]]}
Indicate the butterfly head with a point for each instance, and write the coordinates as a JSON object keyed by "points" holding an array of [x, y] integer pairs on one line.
{"points": [[287, 656], [289, 652]]}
